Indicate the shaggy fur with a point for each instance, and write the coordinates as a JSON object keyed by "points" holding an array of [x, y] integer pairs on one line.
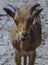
{"points": [[30, 22]]}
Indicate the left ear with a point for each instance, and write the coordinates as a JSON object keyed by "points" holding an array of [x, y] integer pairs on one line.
{"points": [[9, 12], [38, 11]]}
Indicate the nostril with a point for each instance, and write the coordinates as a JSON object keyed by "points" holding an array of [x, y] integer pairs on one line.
{"points": [[24, 34], [22, 39]]}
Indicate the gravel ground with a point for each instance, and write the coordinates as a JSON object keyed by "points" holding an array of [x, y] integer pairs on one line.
{"points": [[6, 49]]}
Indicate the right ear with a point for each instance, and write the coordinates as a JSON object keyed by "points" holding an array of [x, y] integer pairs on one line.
{"points": [[9, 12]]}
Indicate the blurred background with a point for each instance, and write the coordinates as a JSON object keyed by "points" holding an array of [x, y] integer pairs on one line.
{"points": [[6, 49]]}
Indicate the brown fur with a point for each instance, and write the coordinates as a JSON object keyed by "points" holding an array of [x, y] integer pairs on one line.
{"points": [[26, 48]]}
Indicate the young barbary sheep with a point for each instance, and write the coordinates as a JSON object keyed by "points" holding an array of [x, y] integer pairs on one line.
{"points": [[26, 32]]}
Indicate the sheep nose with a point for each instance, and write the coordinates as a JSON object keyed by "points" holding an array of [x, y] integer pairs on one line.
{"points": [[23, 36]]}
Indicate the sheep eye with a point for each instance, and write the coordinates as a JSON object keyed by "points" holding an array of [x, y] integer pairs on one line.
{"points": [[16, 22]]}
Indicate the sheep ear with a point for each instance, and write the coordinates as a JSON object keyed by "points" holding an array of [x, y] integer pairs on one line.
{"points": [[38, 11], [34, 7], [9, 12]]}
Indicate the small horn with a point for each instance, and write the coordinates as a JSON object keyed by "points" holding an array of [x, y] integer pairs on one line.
{"points": [[15, 8], [33, 7], [38, 11]]}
